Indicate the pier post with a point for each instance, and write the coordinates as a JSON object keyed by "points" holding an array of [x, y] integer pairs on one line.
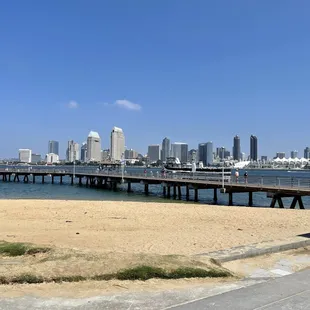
{"points": [[9, 178], [250, 199], [196, 194], [230, 203], [169, 191], [164, 191], [72, 182], [215, 195], [174, 191], [52, 179], [187, 192], [61, 179], [129, 187], [301, 205], [42, 179], [146, 188], [33, 178], [87, 181], [114, 186], [179, 192], [80, 181]]}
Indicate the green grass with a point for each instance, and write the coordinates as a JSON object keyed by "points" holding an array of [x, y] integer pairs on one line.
{"points": [[137, 273], [18, 249]]}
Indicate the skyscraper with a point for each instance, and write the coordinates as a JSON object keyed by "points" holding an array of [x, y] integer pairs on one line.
{"points": [[117, 144], [307, 153], [206, 153], [153, 152], [237, 148], [84, 152], [53, 147], [209, 152], [24, 155], [93, 147], [294, 154], [180, 151], [165, 149], [253, 148], [73, 151]]}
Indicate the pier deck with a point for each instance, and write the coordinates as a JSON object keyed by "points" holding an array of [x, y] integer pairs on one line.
{"points": [[275, 187]]}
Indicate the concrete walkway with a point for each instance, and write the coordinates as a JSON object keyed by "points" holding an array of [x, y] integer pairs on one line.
{"points": [[287, 293]]}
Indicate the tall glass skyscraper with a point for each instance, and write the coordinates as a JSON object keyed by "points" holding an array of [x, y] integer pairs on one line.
{"points": [[165, 149], [205, 151], [237, 148], [53, 147], [253, 148]]}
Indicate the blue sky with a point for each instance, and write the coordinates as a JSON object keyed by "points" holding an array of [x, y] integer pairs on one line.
{"points": [[195, 71]]}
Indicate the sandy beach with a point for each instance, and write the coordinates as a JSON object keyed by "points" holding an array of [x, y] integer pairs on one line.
{"points": [[144, 227]]}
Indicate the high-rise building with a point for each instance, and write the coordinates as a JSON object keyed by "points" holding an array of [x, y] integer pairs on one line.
{"points": [[205, 151], [280, 155], [253, 148], [84, 152], [35, 158], [93, 147], [24, 155], [165, 150], [226, 154], [294, 154], [51, 158], [131, 154], [220, 152], [53, 147], [180, 151], [237, 148], [307, 153], [73, 151], [105, 155], [192, 156], [117, 144], [153, 152]]}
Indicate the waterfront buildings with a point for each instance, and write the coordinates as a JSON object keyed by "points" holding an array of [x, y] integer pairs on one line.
{"points": [[93, 147], [51, 158], [35, 158], [84, 152], [165, 150], [117, 144], [307, 153], [131, 154], [263, 158], [53, 147], [24, 155], [253, 148], [237, 148], [280, 155], [153, 152], [73, 151], [105, 155], [294, 154], [205, 151], [192, 156], [220, 153], [180, 151]]}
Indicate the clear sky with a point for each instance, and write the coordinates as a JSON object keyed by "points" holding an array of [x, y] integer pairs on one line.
{"points": [[194, 71]]}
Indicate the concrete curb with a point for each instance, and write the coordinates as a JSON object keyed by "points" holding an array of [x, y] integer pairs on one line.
{"points": [[258, 249]]}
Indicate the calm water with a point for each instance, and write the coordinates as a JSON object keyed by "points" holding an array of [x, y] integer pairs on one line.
{"points": [[66, 191]]}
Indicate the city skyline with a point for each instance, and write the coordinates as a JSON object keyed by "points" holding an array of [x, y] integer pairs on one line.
{"points": [[211, 71]]}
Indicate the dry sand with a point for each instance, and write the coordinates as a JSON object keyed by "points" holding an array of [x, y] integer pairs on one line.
{"points": [[144, 227]]}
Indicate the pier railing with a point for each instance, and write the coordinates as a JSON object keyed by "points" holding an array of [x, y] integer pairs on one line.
{"points": [[263, 181]]}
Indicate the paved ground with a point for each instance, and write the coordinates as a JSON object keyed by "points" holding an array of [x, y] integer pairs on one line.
{"points": [[290, 292]]}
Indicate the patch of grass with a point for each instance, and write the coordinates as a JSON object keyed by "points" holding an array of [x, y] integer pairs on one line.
{"points": [[189, 272], [137, 273], [141, 273], [13, 249], [18, 249], [27, 279]]}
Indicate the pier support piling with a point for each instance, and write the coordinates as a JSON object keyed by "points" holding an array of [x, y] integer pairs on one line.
{"points": [[174, 191], [196, 194], [164, 191], [276, 199], [42, 179], [215, 195], [61, 179], [33, 178], [80, 181], [250, 199], [169, 191], [300, 202], [53, 179], [129, 187], [230, 202], [179, 192], [146, 188], [187, 192], [72, 180]]}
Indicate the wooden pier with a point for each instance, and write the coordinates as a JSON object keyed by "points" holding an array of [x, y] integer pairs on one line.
{"points": [[172, 186]]}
